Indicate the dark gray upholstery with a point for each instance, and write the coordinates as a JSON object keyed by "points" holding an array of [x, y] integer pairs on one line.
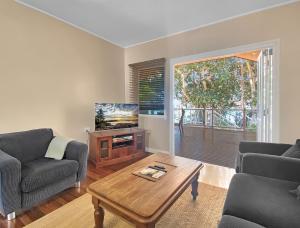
{"points": [[260, 193], [26, 177], [33, 198], [259, 148], [78, 152], [263, 200], [27, 145], [263, 148], [234, 222], [44, 171], [10, 177], [293, 151], [272, 166], [296, 192]]}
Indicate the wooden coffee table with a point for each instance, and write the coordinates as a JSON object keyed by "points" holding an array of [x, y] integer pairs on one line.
{"points": [[141, 201]]}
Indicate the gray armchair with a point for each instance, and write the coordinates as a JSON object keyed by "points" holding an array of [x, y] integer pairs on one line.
{"points": [[276, 149], [27, 177], [259, 195], [10, 178]]}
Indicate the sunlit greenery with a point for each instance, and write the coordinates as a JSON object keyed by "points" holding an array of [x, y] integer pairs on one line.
{"points": [[218, 83]]}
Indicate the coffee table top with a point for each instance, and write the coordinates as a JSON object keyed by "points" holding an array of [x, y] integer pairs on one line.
{"points": [[125, 191]]}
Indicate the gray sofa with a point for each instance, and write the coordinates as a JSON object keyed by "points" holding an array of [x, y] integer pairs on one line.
{"points": [[263, 148], [27, 177], [258, 196]]}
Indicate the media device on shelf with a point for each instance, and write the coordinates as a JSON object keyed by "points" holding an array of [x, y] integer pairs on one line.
{"points": [[115, 116]]}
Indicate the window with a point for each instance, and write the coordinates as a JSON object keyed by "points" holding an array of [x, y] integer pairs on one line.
{"points": [[147, 86]]}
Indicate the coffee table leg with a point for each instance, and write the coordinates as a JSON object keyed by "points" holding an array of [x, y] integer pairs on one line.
{"points": [[98, 214], [195, 186]]}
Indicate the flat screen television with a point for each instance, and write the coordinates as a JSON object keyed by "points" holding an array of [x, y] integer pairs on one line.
{"points": [[116, 116]]}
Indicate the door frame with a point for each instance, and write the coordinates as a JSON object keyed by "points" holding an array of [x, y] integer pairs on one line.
{"points": [[274, 44]]}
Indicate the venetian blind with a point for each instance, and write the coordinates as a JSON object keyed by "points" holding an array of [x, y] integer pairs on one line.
{"points": [[147, 86]]}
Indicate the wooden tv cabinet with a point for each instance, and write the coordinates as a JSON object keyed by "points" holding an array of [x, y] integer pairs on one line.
{"points": [[109, 147]]}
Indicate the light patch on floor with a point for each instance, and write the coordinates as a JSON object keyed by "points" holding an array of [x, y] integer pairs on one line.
{"points": [[215, 175]]}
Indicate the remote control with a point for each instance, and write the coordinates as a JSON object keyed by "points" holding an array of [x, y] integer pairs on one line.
{"points": [[159, 169]]}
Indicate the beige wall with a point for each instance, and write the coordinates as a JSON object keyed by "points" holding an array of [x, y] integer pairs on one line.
{"points": [[51, 73], [278, 23]]}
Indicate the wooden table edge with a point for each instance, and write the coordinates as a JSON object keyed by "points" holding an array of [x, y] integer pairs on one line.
{"points": [[132, 216]]}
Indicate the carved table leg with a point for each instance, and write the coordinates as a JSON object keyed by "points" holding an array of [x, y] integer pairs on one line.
{"points": [[195, 186], [98, 214]]}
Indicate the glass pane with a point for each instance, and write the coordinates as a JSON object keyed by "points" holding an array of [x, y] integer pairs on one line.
{"points": [[104, 144], [139, 142], [104, 149]]}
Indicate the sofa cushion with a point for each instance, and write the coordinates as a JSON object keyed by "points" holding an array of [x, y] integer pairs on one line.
{"points": [[296, 192], [30, 199], [263, 200], [27, 145], [293, 151], [228, 221], [57, 147], [42, 172]]}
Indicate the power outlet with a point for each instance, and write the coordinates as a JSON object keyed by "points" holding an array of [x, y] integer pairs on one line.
{"points": [[86, 129]]}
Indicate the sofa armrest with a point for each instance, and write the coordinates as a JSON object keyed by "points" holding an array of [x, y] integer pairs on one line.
{"points": [[79, 152], [277, 167], [263, 148], [10, 179]]}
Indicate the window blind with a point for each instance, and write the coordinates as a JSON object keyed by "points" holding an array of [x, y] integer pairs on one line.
{"points": [[147, 86]]}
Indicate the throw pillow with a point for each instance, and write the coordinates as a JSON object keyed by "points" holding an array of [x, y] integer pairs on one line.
{"points": [[296, 192], [57, 147], [293, 151]]}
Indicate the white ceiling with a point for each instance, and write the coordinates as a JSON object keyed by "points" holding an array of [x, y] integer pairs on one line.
{"points": [[129, 22]]}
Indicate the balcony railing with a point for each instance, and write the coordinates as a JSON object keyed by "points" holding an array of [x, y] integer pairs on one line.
{"points": [[244, 119]]}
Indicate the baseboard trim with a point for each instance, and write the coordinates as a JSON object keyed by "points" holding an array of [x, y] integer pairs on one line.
{"points": [[154, 150]]}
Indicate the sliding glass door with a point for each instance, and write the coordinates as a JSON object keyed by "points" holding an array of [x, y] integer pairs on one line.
{"points": [[265, 95]]}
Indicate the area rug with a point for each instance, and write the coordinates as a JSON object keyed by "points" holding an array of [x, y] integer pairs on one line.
{"points": [[205, 212]]}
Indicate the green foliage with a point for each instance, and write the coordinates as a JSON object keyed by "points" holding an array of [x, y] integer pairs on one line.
{"points": [[100, 120], [218, 83]]}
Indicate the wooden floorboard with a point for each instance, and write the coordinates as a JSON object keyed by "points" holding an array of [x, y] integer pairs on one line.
{"points": [[62, 198], [211, 145]]}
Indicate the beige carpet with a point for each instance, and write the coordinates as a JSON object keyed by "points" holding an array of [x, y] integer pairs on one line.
{"points": [[204, 212]]}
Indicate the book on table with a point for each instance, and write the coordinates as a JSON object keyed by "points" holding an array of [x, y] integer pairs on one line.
{"points": [[152, 173]]}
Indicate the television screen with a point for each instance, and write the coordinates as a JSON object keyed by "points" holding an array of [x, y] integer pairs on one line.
{"points": [[115, 116]]}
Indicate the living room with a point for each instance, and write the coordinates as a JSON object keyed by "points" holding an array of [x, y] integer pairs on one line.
{"points": [[60, 58]]}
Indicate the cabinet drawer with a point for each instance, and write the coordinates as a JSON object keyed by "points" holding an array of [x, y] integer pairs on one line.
{"points": [[119, 152]]}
